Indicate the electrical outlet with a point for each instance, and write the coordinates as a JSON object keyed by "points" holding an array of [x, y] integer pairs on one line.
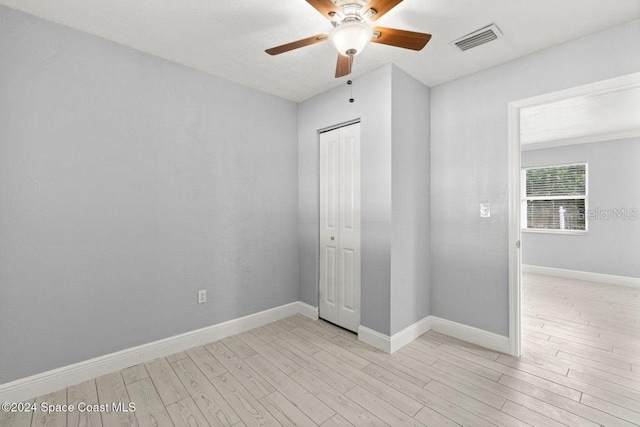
{"points": [[202, 296]]}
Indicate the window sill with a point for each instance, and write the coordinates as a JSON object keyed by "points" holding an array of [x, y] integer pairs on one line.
{"points": [[545, 231]]}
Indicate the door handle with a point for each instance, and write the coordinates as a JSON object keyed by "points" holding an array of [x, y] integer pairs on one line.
{"points": [[333, 238]]}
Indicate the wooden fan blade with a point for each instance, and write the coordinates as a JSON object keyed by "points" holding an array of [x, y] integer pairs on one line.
{"points": [[343, 67], [297, 44], [325, 7], [381, 7], [400, 38]]}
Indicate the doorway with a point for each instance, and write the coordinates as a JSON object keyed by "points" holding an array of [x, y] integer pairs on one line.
{"points": [[340, 233], [561, 120]]}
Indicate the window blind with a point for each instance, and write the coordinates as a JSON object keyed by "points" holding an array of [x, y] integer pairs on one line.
{"points": [[555, 197]]}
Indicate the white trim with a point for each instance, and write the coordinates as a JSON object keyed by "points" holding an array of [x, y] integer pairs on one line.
{"points": [[612, 136], [470, 334], [340, 125], [374, 339], [515, 232], [410, 333], [57, 379], [628, 81], [398, 340], [610, 85], [587, 276], [307, 310], [555, 231]]}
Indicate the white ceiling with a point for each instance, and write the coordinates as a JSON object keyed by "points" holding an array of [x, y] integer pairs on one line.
{"points": [[227, 38], [608, 115]]}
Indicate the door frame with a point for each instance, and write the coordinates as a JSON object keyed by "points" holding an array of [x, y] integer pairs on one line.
{"points": [[318, 179], [515, 233]]}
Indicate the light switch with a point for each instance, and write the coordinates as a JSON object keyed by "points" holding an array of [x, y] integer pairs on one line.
{"points": [[485, 210]]}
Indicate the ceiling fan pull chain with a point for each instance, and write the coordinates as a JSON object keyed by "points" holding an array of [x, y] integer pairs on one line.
{"points": [[350, 83]]}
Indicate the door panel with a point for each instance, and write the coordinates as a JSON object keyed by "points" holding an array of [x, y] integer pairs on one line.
{"points": [[348, 184], [329, 219], [340, 226], [347, 263], [349, 227], [332, 176], [331, 275]]}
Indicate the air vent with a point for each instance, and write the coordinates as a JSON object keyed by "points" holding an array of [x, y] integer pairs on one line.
{"points": [[478, 37]]}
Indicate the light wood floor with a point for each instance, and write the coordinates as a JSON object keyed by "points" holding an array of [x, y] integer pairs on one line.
{"points": [[581, 367]]}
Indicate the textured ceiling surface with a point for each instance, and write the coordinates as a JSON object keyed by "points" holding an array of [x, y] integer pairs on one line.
{"points": [[227, 38]]}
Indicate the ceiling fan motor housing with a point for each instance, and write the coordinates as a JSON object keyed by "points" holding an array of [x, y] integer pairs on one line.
{"points": [[352, 10]]}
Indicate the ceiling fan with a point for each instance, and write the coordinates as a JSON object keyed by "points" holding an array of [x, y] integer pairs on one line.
{"points": [[352, 30]]}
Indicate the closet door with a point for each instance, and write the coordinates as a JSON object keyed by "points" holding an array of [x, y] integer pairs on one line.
{"points": [[339, 285]]}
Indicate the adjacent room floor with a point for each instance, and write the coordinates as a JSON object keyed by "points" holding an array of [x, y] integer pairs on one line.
{"points": [[580, 367]]}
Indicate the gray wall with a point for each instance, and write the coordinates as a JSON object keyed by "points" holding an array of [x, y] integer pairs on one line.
{"points": [[127, 183], [394, 113], [469, 165], [372, 93], [410, 255], [612, 245]]}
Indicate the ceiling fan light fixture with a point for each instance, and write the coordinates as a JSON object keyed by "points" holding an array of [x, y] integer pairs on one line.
{"points": [[352, 30], [351, 37]]}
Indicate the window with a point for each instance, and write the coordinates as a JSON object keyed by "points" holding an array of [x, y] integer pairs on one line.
{"points": [[554, 198]]}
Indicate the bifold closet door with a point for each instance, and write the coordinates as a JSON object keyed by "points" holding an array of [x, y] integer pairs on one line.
{"points": [[339, 285]]}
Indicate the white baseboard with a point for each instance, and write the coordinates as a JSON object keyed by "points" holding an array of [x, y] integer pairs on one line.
{"points": [[391, 344], [57, 379], [410, 333], [470, 334], [308, 310], [374, 339], [610, 279], [456, 330]]}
